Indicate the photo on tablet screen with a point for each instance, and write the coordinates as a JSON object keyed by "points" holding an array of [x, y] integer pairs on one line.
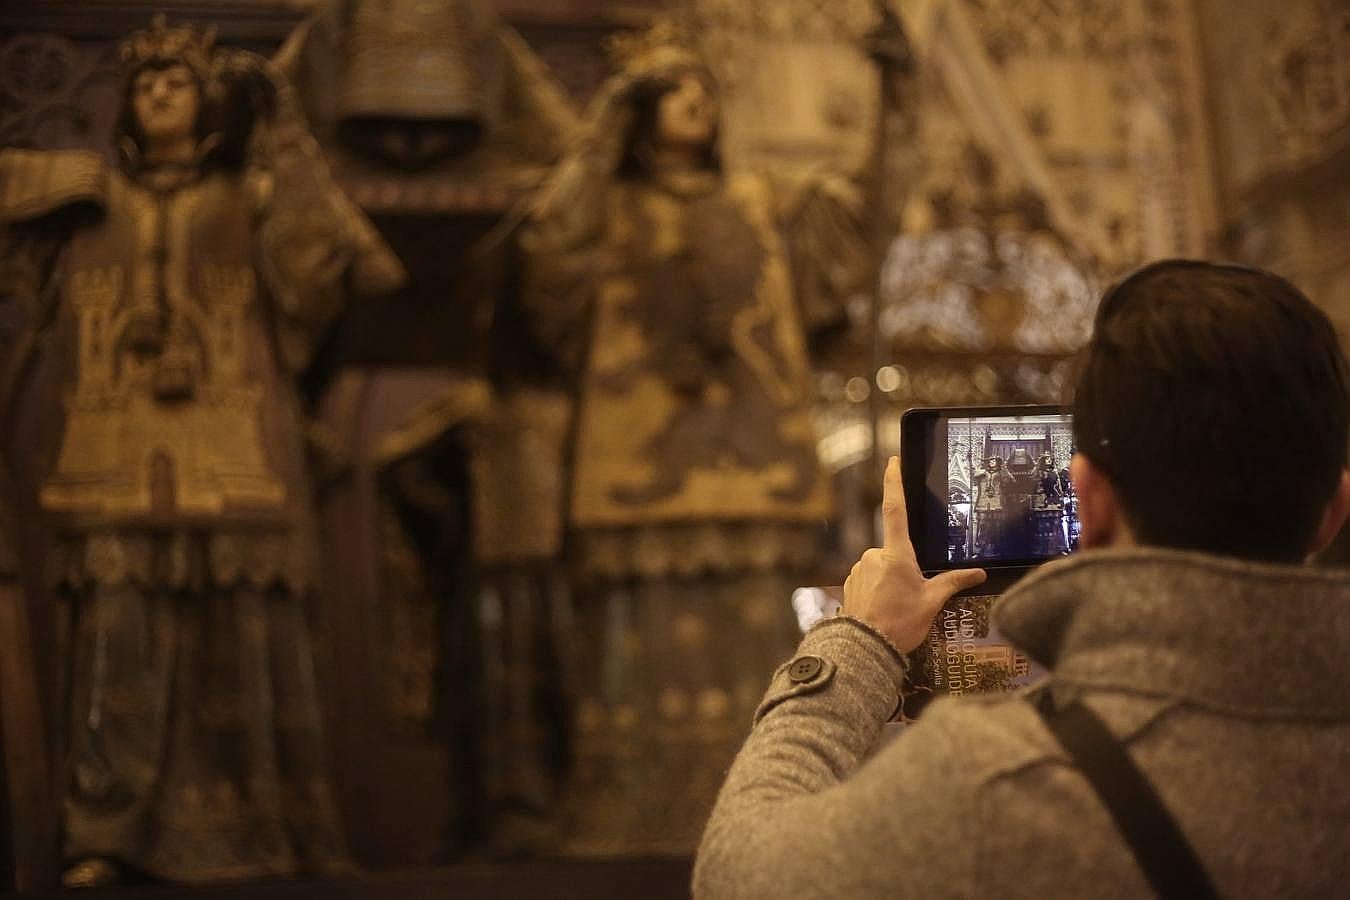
{"points": [[1008, 491]]}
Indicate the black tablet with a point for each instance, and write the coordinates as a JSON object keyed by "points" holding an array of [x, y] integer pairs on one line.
{"points": [[989, 486]]}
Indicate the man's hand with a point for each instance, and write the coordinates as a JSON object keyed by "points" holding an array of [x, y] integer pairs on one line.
{"points": [[887, 590]]}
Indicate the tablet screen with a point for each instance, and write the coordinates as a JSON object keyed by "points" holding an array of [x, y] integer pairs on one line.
{"points": [[1007, 488]]}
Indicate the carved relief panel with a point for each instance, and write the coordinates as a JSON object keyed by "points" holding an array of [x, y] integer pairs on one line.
{"points": [[1280, 82], [1108, 93], [799, 89], [56, 94], [1063, 143]]}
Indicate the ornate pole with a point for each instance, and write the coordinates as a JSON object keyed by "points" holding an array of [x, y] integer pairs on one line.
{"points": [[889, 47], [24, 748]]}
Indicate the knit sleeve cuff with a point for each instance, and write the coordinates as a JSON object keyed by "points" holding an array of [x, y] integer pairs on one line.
{"points": [[848, 656]]}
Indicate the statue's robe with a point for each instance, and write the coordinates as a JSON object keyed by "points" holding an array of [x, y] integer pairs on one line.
{"points": [[697, 501]]}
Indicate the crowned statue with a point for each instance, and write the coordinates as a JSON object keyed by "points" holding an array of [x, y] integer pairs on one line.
{"points": [[154, 426], [696, 498]]}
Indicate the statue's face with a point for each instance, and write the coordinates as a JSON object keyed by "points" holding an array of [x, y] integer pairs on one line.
{"points": [[687, 115], [166, 103]]}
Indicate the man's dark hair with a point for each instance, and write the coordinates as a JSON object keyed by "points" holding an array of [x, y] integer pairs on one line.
{"points": [[1215, 400]]}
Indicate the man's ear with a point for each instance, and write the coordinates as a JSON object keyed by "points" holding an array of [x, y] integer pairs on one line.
{"points": [[1099, 514], [1338, 508]]}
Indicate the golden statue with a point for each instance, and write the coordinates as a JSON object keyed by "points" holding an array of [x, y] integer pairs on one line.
{"points": [[696, 496], [157, 428]]}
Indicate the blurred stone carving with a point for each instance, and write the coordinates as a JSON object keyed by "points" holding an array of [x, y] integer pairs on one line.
{"points": [[55, 94], [799, 90], [1061, 143], [974, 316], [424, 88], [173, 322], [662, 283], [967, 290], [440, 118], [1280, 82], [988, 301], [1094, 106], [412, 121], [1307, 69]]}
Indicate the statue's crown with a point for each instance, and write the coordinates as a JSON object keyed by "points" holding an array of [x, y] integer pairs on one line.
{"points": [[668, 45], [161, 43]]}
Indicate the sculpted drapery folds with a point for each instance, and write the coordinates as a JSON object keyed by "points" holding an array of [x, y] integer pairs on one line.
{"points": [[681, 297], [155, 425]]}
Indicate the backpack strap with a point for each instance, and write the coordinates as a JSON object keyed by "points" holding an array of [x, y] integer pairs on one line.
{"points": [[1167, 858]]}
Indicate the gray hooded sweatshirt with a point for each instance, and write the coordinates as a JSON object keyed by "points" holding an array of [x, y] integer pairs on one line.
{"points": [[1227, 681]]}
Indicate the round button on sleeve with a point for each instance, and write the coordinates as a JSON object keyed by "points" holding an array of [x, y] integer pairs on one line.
{"points": [[804, 668]]}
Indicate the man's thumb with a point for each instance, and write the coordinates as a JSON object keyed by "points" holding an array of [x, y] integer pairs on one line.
{"points": [[945, 584]]}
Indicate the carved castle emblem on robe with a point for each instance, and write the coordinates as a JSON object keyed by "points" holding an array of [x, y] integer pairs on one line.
{"points": [[164, 415]]}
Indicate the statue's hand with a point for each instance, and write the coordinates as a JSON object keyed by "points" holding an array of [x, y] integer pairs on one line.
{"points": [[247, 82], [246, 94]]}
